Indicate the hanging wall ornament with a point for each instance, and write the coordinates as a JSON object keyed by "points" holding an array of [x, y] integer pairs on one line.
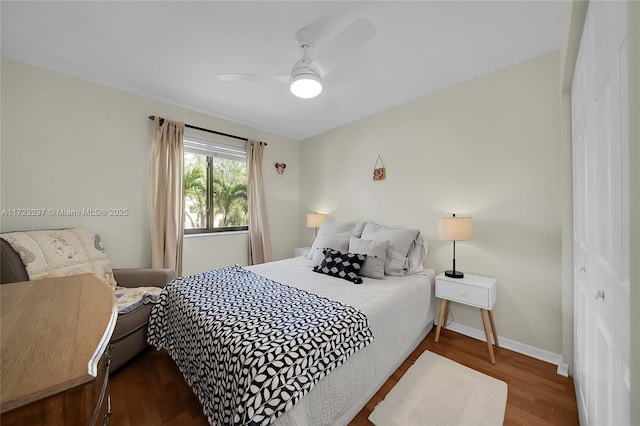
{"points": [[379, 172], [280, 168]]}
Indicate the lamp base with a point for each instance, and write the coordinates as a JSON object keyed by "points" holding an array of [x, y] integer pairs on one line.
{"points": [[454, 274]]}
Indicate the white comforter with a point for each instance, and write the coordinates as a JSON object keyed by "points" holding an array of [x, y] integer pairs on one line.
{"points": [[400, 311]]}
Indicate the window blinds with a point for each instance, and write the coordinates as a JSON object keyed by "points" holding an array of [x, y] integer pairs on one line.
{"points": [[214, 149]]}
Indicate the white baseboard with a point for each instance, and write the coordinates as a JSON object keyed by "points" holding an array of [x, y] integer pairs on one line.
{"points": [[532, 351]]}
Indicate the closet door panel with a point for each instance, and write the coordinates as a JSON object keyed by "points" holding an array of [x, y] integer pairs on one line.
{"points": [[601, 184]]}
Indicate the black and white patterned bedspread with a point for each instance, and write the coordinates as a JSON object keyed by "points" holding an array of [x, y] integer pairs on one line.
{"points": [[250, 347]]}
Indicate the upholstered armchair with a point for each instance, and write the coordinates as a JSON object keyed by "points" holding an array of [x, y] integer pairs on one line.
{"points": [[130, 334]]}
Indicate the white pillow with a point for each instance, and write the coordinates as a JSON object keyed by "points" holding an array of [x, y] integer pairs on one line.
{"points": [[401, 241], [335, 242], [337, 229], [358, 228], [418, 255], [376, 252]]}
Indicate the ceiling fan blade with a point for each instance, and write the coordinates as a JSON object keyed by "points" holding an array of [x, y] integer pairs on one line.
{"points": [[349, 41], [255, 78]]}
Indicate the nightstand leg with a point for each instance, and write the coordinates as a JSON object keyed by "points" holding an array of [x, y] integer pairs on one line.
{"points": [[447, 307], [443, 308], [483, 312], [493, 328]]}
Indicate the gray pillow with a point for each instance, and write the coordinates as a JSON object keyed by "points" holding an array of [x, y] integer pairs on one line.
{"points": [[344, 230], [376, 252], [335, 242], [401, 241], [417, 255]]}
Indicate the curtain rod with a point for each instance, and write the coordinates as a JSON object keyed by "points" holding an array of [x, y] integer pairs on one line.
{"points": [[153, 117]]}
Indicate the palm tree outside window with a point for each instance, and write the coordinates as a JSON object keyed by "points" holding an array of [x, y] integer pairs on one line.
{"points": [[215, 178]]}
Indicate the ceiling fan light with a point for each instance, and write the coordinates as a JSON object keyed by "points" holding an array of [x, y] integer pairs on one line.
{"points": [[306, 86]]}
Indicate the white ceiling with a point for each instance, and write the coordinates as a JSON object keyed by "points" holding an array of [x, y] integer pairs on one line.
{"points": [[172, 51]]}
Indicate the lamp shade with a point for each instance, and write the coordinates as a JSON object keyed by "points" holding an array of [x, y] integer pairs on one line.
{"points": [[455, 228], [314, 220]]}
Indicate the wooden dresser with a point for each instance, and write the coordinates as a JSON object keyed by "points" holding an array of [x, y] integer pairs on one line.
{"points": [[54, 359]]}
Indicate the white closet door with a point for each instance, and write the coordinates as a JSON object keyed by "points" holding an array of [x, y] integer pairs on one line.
{"points": [[601, 185], [582, 163]]}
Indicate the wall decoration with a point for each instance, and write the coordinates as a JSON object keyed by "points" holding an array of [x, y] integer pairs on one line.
{"points": [[280, 168], [379, 172]]}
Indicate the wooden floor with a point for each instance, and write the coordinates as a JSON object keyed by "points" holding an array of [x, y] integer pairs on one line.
{"points": [[150, 390]]}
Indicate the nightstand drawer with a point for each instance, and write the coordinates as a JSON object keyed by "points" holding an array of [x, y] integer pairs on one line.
{"points": [[473, 290], [469, 295]]}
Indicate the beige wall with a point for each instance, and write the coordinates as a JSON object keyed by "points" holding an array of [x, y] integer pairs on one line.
{"points": [[489, 148], [70, 144]]}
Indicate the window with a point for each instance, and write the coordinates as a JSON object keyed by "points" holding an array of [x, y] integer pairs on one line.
{"points": [[215, 183]]}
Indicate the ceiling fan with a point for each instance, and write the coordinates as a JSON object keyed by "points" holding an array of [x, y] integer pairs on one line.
{"points": [[305, 80]]}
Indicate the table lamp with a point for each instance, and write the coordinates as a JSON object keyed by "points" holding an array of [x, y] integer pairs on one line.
{"points": [[314, 220], [455, 229]]}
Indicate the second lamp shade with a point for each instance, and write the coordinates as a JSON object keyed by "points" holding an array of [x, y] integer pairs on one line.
{"points": [[314, 220], [455, 228]]}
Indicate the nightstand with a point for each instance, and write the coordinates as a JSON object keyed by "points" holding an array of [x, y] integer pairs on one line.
{"points": [[301, 251], [473, 290]]}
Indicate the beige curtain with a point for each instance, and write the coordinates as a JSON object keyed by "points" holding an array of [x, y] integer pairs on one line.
{"points": [[166, 193], [259, 235]]}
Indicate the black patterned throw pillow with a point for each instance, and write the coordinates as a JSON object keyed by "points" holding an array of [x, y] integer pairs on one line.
{"points": [[341, 265]]}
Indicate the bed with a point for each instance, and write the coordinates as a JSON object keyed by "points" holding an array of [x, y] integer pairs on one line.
{"points": [[398, 310]]}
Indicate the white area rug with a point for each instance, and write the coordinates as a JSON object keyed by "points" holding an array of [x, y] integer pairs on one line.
{"points": [[438, 391]]}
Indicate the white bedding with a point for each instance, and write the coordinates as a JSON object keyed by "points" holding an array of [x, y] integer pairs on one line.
{"points": [[400, 311]]}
